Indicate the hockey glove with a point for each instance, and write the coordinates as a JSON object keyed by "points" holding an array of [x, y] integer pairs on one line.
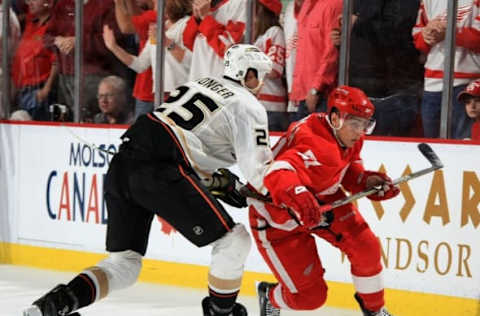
{"points": [[383, 182], [302, 205], [224, 187]]}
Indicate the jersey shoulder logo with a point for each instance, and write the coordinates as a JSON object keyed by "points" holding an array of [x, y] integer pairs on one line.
{"points": [[309, 159]]}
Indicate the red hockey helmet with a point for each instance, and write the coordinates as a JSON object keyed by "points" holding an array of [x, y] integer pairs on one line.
{"points": [[351, 102]]}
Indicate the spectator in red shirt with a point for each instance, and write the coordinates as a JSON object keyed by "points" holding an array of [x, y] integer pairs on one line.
{"points": [[98, 61], [316, 65], [135, 17], [34, 67], [471, 98]]}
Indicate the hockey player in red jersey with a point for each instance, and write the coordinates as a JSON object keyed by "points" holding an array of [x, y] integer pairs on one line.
{"points": [[313, 161]]}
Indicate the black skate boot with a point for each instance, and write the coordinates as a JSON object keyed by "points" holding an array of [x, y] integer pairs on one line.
{"points": [[366, 312], [266, 308], [58, 302], [208, 309]]}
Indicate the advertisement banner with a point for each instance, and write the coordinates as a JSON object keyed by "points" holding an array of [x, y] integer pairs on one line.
{"points": [[52, 183]]}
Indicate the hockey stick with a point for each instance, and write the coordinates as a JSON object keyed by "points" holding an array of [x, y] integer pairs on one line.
{"points": [[426, 151], [424, 148]]}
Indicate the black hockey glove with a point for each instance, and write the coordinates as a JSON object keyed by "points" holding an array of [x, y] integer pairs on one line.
{"points": [[225, 186]]}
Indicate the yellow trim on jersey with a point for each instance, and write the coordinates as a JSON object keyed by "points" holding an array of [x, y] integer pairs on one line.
{"points": [[399, 302]]}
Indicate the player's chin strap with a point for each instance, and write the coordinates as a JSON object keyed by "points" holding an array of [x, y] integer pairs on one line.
{"points": [[335, 129], [255, 90]]}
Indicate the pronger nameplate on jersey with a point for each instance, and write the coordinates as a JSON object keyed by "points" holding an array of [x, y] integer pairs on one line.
{"points": [[215, 86]]}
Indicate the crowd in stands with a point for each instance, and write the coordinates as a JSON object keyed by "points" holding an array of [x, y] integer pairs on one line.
{"points": [[397, 53]]}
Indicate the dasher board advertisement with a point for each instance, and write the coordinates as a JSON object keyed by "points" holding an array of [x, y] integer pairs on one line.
{"points": [[51, 196]]}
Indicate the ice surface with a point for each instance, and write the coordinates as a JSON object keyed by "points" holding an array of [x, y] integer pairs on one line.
{"points": [[20, 286]]}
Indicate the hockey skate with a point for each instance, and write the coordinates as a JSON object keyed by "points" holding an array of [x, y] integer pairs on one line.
{"points": [[58, 302], [266, 308], [366, 312], [238, 309]]}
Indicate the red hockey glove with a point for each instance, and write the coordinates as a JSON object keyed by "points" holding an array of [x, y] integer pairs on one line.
{"points": [[380, 179], [302, 204]]}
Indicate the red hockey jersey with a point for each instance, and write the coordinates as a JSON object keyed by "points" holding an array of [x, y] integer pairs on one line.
{"points": [[309, 154]]}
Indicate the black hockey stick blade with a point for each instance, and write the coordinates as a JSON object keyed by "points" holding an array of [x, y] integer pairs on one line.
{"points": [[431, 156]]}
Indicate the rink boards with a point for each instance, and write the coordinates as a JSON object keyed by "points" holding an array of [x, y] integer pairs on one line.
{"points": [[52, 215]]}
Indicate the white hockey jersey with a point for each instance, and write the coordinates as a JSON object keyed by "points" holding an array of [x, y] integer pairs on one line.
{"points": [[273, 94], [467, 50], [219, 123], [209, 39]]}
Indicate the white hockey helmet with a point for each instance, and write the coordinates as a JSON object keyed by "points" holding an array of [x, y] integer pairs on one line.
{"points": [[239, 58]]}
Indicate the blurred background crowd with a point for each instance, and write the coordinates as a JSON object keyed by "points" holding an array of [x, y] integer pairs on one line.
{"points": [[397, 52]]}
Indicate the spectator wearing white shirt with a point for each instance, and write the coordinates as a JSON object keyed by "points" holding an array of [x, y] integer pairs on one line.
{"points": [[429, 38], [177, 59], [270, 38], [291, 37]]}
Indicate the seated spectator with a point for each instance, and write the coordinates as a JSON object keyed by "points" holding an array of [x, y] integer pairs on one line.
{"points": [[13, 39], [20, 115], [34, 67], [98, 61], [113, 102], [471, 98], [270, 39]]}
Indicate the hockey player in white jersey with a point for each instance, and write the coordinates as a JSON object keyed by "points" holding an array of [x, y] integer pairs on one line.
{"points": [[164, 167]]}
